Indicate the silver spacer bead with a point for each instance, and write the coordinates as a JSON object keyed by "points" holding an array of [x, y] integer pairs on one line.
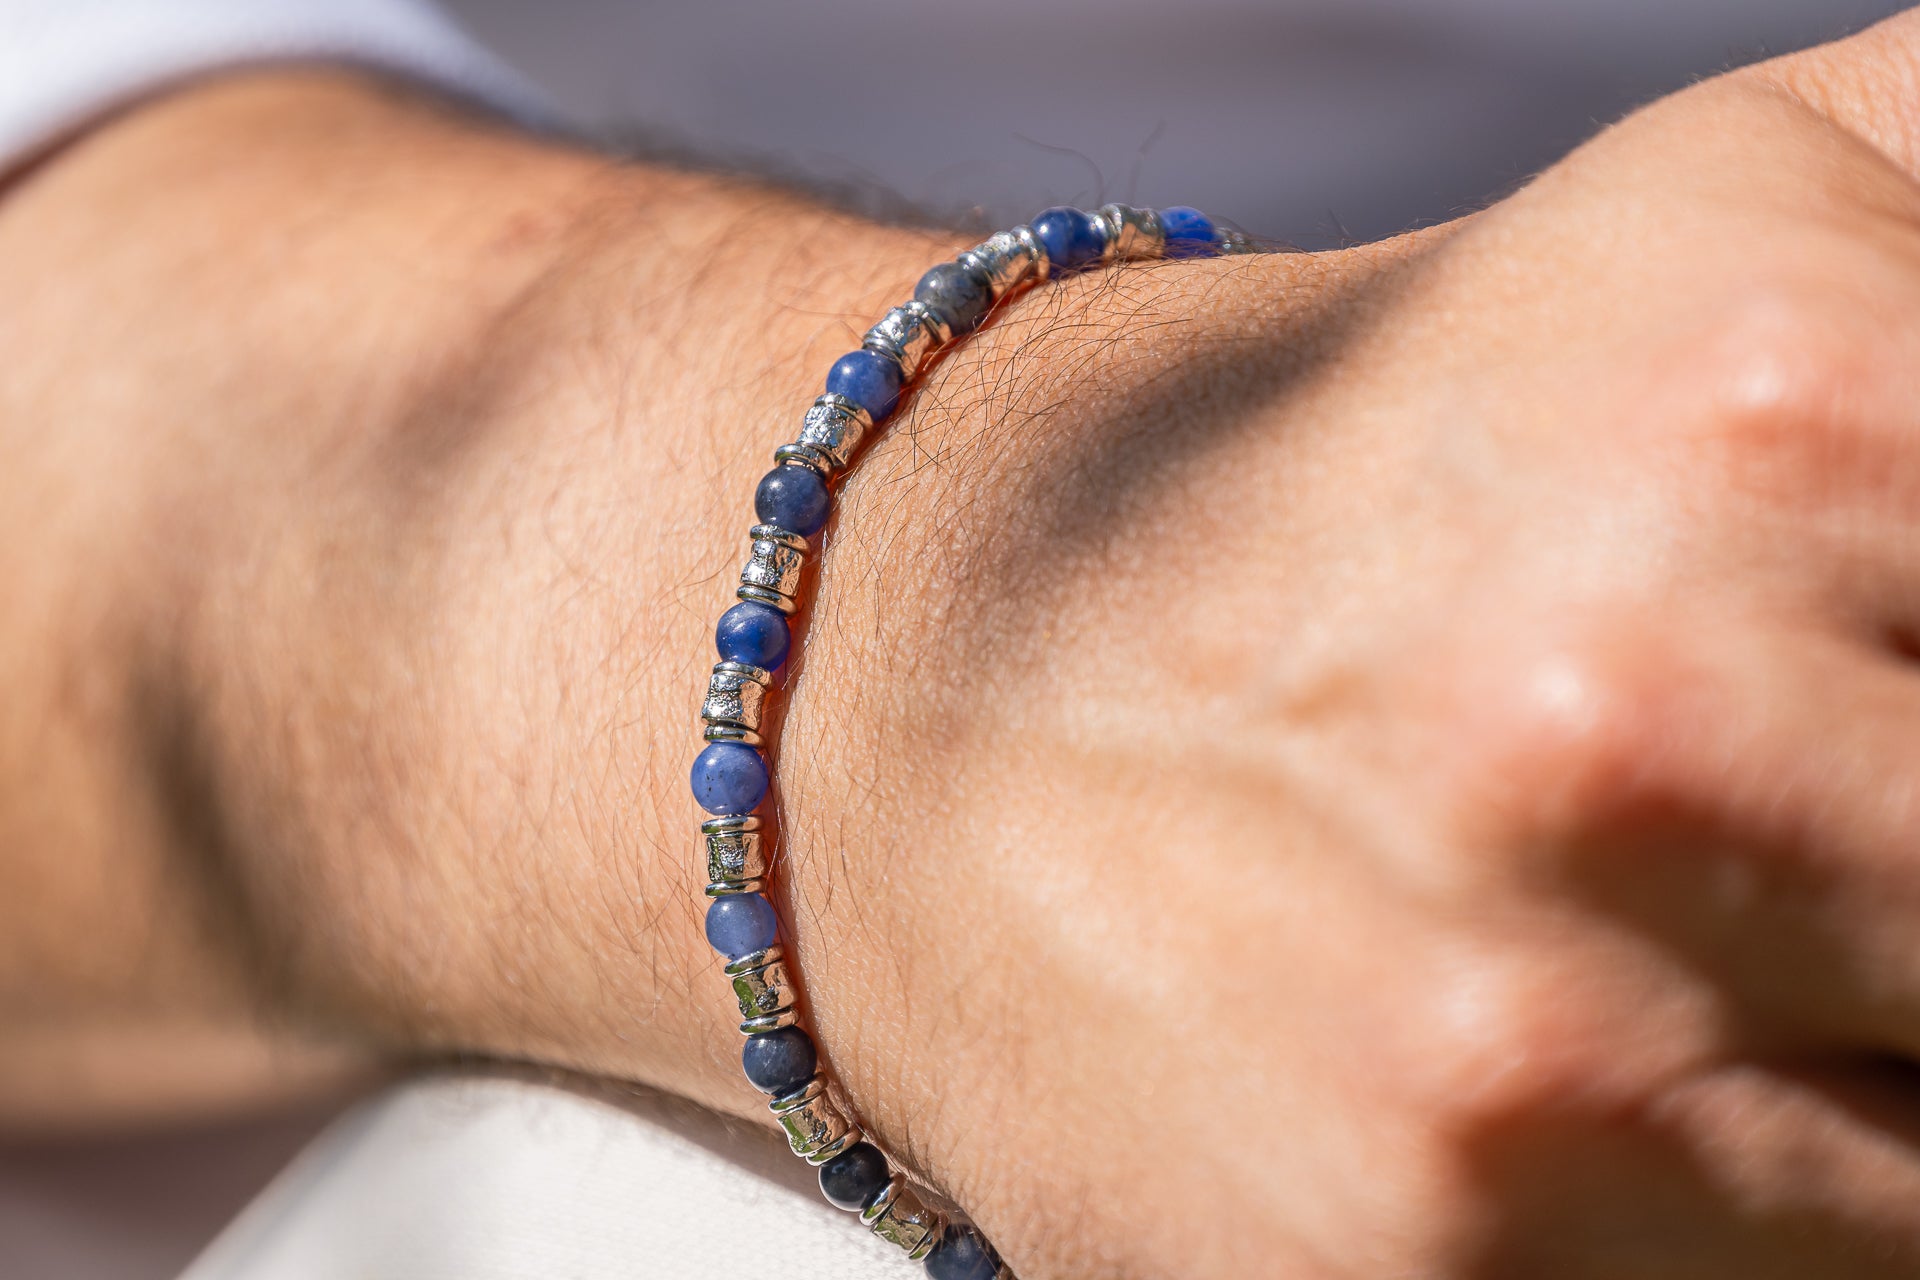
{"points": [[801, 455], [899, 1216], [1133, 235], [816, 1128], [1004, 261], [736, 857], [909, 335], [1042, 265], [762, 986], [833, 431], [736, 698], [772, 572], [1230, 242]]}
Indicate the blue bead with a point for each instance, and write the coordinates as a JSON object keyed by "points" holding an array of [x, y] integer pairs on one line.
{"points": [[795, 498], [778, 1061], [961, 297], [741, 924], [1189, 232], [854, 1176], [753, 633], [961, 1255], [867, 378], [729, 777], [1069, 237]]}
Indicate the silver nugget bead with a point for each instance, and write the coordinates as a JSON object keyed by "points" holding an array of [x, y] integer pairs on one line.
{"points": [[1133, 235], [772, 573], [736, 856], [830, 434], [736, 698], [898, 1215], [909, 335], [816, 1128], [1006, 261], [764, 989]]}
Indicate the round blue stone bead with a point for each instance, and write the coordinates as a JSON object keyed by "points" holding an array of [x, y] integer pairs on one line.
{"points": [[854, 1176], [1071, 242], [1189, 232], [795, 498], [729, 777], [780, 1061], [753, 633], [741, 924], [867, 378], [961, 1255]]}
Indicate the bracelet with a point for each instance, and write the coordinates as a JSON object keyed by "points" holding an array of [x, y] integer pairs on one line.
{"points": [[731, 775]]}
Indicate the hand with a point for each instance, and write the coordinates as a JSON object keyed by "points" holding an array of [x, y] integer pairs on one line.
{"points": [[1383, 763]]}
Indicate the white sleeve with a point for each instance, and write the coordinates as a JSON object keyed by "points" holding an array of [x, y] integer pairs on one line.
{"points": [[64, 62]]}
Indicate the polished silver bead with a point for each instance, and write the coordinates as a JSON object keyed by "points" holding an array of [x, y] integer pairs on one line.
{"points": [[1133, 235], [761, 985], [832, 432], [736, 698], [817, 1129], [736, 855], [909, 335], [1042, 267], [1006, 261], [900, 1216], [772, 573]]}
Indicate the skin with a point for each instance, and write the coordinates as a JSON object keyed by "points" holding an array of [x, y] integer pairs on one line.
{"points": [[1393, 763]]}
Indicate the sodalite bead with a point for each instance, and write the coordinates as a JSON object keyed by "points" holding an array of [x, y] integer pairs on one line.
{"points": [[1189, 232], [741, 924], [961, 297], [795, 498], [867, 378], [753, 633], [1071, 241], [779, 1061], [729, 777], [961, 1255], [854, 1176]]}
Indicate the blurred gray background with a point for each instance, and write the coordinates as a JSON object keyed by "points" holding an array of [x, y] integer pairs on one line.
{"points": [[1311, 121]]}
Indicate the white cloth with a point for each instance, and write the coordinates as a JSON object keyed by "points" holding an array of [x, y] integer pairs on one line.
{"points": [[65, 62]]}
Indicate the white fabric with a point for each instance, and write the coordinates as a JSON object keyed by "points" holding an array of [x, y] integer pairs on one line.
{"points": [[63, 62], [506, 1179]]}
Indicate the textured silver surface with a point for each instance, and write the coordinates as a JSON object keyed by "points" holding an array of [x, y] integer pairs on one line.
{"points": [[909, 334], [772, 572], [817, 1129], [899, 1216], [1004, 261], [834, 428], [1133, 235], [761, 984], [736, 855], [736, 699]]}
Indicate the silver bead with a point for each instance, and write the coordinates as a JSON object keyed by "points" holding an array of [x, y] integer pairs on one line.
{"points": [[772, 573], [761, 985], [1042, 267], [736, 697], [1230, 242], [736, 857], [816, 1128], [832, 431], [1005, 261], [909, 334], [898, 1215], [1133, 235]]}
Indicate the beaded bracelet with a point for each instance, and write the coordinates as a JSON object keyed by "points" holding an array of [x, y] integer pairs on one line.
{"points": [[731, 775]]}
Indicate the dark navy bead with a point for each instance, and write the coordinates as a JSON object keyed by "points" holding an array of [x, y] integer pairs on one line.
{"points": [[1189, 232], [961, 297], [729, 777], [1070, 239], [795, 498], [740, 924], [778, 1061], [962, 1255], [867, 378], [854, 1176], [753, 633]]}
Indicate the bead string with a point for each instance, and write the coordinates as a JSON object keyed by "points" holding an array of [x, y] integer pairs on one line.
{"points": [[731, 776]]}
